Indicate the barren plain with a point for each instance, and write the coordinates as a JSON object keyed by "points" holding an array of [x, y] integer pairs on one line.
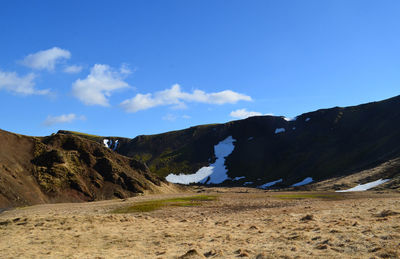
{"points": [[233, 222]]}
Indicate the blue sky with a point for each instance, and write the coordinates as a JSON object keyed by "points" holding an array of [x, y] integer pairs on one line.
{"points": [[125, 68]]}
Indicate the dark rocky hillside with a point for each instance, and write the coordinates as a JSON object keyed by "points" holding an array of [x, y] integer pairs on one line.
{"points": [[64, 167], [322, 144]]}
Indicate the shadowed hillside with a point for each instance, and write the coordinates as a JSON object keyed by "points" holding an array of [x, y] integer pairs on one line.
{"points": [[321, 144]]}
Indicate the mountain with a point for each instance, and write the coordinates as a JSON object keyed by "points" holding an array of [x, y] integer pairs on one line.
{"points": [[313, 147], [63, 168], [328, 149]]}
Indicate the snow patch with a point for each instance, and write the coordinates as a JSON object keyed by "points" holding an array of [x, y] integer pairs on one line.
{"points": [[213, 174], [202, 173], [107, 142], [290, 119], [307, 119], [115, 145], [238, 178], [279, 130], [293, 128], [248, 183], [250, 138], [304, 182], [266, 185], [366, 186]]}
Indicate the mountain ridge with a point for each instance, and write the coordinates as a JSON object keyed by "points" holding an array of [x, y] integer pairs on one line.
{"points": [[329, 149], [320, 144]]}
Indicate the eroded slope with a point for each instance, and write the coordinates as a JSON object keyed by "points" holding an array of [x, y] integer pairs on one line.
{"points": [[68, 168]]}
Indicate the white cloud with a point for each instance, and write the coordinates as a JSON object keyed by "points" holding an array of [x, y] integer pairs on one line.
{"points": [[98, 85], [244, 113], [73, 69], [172, 117], [169, 117], [46, 59], [65, 118], [24, 85], [125, 70], [177, 98]]}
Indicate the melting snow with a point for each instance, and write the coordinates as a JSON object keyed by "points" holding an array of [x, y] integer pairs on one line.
{"points": [[279, 130], [266, 185], [115, 145], [238, 178], [290, 119], [202, 173], [214, 173], [366, 186], [307, 119], [304, 182], [107, 142]]}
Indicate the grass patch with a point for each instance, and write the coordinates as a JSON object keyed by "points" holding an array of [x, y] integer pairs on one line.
{"points": [[296, 196], [147, 206]]}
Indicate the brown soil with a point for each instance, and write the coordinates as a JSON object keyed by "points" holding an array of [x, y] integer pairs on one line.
{"points": [[69, 168], [241, 223]]}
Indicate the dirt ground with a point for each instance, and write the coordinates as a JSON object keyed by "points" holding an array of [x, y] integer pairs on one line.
{"points": [[242, 222]]}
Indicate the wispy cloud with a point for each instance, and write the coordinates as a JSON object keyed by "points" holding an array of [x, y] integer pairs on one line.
{"points": [[97, 87], [46, 59], [64, 118], [125, 69], [177, 98], [244, 113], [24, 85], [169, 117], [73, 69]]}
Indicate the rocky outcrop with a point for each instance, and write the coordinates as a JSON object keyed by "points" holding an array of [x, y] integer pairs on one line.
{"points": [[65, 167]]}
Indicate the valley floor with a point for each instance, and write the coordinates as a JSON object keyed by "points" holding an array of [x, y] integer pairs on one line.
{"points": [[242, 222]]}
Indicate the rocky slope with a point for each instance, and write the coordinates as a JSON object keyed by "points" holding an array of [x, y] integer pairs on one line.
{"points": [[62, 168], [319, 145], [329, 149]]}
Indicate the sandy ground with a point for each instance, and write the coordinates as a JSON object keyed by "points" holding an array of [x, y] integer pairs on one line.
{"points": [[241, 223]]}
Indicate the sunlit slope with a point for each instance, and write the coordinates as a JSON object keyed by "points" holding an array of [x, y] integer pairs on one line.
{"points": [[62, 168]]}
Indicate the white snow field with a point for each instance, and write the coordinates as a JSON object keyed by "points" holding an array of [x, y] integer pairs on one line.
{"points": [[212, 174], [202, 173], [266, 185], [304, 182], [366, 186]]}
